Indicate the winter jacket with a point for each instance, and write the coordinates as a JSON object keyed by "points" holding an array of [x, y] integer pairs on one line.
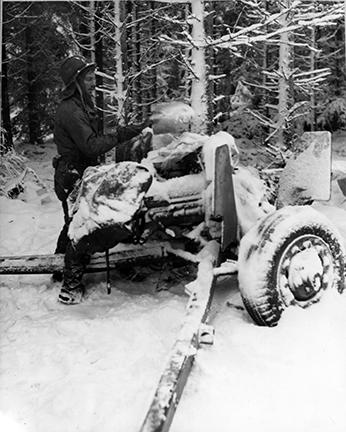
{"points": [[79, 142]]}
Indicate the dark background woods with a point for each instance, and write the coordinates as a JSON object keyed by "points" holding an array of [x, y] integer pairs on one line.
{"points": [[154, 43]]}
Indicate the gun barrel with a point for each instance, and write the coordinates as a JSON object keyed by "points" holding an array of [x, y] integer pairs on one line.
{"points": [[181, 210]]}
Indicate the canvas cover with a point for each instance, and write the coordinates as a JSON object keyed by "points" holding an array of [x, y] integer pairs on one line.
{"points": [[107, 204]]}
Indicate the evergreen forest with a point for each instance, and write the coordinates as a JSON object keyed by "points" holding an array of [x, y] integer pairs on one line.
{"points": [[259, 69]]}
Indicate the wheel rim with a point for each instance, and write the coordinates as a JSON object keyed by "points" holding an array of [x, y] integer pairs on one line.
{"points": [[305, 268]]}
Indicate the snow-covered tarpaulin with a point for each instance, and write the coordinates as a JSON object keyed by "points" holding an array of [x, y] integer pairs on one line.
{"points": [[108, 199]]}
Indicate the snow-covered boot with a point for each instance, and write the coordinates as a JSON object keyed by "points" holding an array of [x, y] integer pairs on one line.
{"points": [[70, 297]]}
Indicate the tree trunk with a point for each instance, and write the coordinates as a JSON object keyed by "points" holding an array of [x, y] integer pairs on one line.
{"points": [[214, 107], [92, 30], [92, 37], [339, 65], [285, 71], [34, 127], [7, 144], [99, 63], [265, 63], [96, 54], [84, 31], [345, 34], [153, 74], [1, 62], [187, 54], [199, 98], [119, 74], [312, 68], [119, 78], [136, 37]]}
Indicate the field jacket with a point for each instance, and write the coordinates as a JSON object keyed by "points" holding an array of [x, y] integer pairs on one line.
{"points": [[79, 142]]}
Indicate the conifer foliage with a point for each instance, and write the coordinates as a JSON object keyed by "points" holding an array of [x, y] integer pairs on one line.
{"points": [[33, 46], [257, 68]]}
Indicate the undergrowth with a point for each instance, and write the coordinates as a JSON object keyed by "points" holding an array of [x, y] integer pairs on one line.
{"points": [[12, 165]]}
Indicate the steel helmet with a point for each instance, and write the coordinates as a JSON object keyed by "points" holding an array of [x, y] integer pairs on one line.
{"points": [[71, 67]]}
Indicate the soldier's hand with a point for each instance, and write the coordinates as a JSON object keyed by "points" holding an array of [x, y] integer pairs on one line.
{"points": [[142, 145]]}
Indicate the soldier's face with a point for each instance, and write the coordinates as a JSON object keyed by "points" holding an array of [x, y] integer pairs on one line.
{"points": [[89, 82]]}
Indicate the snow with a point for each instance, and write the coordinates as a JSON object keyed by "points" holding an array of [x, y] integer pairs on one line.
{"points": [[82, 369], [171, 117], [288, 378], [250, 199], [311, 161], [192, 184], [219, 139], [94, 366], [303, 267], [168, 148]]}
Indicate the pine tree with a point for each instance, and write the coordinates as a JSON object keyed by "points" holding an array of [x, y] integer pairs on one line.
{"points": [[288, 84], [34, 48]]}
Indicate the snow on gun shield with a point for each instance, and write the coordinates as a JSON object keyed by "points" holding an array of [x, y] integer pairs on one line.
{"points": [[295, 253]]}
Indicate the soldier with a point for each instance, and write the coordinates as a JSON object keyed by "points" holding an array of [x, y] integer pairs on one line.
{"points": [[80, 144]]}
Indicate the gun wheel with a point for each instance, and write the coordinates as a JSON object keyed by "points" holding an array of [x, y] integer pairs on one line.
{"points": [[295, 255]]}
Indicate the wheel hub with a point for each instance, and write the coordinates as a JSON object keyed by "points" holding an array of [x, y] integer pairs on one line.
{"points": [[305, 267]]}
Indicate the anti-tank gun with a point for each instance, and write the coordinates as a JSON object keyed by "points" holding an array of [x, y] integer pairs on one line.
{"points": [[190, 192]]}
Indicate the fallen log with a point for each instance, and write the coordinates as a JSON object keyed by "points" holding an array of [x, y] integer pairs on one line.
{"points": [[41, 264]]}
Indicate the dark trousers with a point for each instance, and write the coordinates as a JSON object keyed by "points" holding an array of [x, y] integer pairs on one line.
{"points": [[76, 257], [76, 260], [63, 238]]}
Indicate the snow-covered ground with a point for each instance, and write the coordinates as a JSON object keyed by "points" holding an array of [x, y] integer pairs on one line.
{"points": [[94, 366], [290, 378]]}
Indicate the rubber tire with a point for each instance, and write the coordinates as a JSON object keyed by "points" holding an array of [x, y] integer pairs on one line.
{"points": [[260, 252]]}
